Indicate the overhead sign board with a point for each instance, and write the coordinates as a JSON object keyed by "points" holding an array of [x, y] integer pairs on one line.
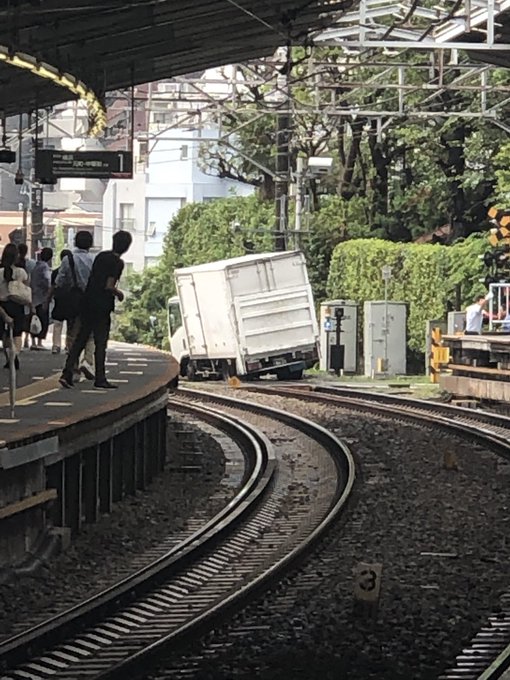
{"points": [[37, 208], [51, 164]]}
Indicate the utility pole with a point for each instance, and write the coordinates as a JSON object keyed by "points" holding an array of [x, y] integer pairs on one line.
{"points": [[36, 229], [283, 123], [36, 202], [300, 166], [386, 276]]}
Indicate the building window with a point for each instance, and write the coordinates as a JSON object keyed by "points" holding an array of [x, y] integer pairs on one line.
{"points": [[151, 229], [184, 152], [162, 118], [126, 218]]}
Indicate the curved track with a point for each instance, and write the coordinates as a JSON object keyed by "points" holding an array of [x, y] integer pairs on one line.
{"points": [[266, 526], [487, 657]]}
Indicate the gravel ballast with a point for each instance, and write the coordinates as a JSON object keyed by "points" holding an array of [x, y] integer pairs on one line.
{"points": [[442, 537], [101, 551]]}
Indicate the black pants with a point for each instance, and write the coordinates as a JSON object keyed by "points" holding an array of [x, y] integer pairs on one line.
{"points": [[99, 327]]}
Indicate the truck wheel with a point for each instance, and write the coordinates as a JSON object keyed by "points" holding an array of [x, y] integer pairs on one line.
{"points": [[287, 374], [191, 372]]}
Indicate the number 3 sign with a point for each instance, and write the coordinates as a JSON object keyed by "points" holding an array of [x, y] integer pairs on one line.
{"points": [[367, 582]]}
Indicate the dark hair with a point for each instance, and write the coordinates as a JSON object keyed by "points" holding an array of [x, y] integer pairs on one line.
{"points": [[22, 250], [46, 254], [479, 297], [121, 241], [64, 253], [8, 259], [83, 240]]}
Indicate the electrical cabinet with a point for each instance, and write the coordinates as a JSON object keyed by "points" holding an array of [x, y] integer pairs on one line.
{"points": [[385, 337], [456, 323], [348, 333]]}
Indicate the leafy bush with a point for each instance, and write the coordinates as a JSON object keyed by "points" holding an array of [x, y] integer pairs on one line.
{"points": [[425, 276]]}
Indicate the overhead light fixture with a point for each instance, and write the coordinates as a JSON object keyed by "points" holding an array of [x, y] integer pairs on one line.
{"points": [[97, 110]]}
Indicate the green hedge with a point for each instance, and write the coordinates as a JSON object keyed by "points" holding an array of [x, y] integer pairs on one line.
{"points": [[423, 275]]}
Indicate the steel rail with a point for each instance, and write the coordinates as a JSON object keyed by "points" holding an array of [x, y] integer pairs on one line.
{"points": [[482, 426], [260, 466], [487, 657], [344, 463], [123, 657]]}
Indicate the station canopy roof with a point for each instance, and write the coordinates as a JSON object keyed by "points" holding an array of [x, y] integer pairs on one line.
{"points": [[111, 44]]}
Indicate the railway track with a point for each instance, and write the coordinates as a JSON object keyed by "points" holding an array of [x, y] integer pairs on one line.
{"points": [[487, 656], [276, 516]]}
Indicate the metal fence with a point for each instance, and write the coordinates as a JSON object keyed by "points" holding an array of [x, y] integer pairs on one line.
{"points": [[499, 319]]}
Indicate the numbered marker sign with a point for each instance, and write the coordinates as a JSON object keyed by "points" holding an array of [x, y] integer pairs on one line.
{"points": [[367, 581]]}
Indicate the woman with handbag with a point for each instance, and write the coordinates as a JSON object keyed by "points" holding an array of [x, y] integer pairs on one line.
{"points": [[14, 294], [40, 283]]}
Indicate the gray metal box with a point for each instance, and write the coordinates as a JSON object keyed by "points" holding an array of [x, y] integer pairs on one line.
{"points": [[385, 336], [456, 323], [348, 336]]}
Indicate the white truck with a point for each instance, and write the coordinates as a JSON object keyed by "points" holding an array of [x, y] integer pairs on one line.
{"points": [[246, 316]]}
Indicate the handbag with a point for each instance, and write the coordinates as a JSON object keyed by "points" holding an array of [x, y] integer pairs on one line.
{"points": [[35, 325], [19, 292], [68, 301]]}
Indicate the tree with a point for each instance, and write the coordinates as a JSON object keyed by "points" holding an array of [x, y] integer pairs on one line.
{"points": [[200, 232]]}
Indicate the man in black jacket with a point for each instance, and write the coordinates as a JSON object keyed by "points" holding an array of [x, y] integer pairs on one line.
{"points": [[98, 304]]}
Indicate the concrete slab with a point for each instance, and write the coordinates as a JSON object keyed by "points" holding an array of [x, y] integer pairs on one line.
{"points": [[43, 408]]}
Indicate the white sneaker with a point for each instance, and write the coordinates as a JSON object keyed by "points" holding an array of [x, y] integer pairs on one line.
{"points": [[87, 371]]}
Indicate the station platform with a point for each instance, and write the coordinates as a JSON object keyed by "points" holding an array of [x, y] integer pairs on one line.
{"points": [[479, 366], [43, 406], [68, 454]]}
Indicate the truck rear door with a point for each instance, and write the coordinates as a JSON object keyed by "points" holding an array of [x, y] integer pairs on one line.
{"points": [[191, 317]]}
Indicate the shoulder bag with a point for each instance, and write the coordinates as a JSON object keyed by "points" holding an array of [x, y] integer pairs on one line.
{"points": [[19, 292], [68, 301]]}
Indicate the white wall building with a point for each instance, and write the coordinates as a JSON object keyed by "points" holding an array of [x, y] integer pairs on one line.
{"points": [[167, 180]]}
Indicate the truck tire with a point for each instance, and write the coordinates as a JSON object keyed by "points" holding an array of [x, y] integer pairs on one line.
{"points": [[287, 374], [191, 372]]}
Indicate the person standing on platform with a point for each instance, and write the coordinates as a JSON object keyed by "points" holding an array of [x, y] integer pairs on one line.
{"points": [[58, 326], [40, 283], [475, 314], [11, 310], [98, 304], [28, 265], [82, 262]]}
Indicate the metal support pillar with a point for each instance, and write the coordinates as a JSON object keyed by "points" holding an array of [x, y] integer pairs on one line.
{"points": [[127, 439], [117, 468], [105, 476], [163, 422], [72, 492], [90, 485], [140, 455], [55, 480]]}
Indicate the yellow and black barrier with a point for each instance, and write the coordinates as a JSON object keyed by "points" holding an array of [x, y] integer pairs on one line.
{"points": [[439, 355]]}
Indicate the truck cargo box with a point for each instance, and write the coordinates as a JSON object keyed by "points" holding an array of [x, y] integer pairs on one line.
{"points": [[248, 308]]}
